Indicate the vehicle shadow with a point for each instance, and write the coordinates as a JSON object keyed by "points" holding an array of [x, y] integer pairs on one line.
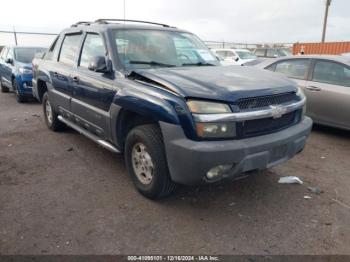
{"points": [[259, 186], [331, 131]]}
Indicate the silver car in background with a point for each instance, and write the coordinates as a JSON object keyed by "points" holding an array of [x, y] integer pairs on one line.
{"points": [[325, 81]]}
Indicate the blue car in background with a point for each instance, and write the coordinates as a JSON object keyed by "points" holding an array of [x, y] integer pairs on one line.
{"points": [[16, 70]]}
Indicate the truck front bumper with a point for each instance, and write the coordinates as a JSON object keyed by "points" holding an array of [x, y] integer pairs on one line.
{"points": [[189, 161]]}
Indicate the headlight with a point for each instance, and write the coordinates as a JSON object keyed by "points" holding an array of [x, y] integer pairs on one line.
{"points": [[204, 107], [216, 130], [212, 129], [25, 71]]}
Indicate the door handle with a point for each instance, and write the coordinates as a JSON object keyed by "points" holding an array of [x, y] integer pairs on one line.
{"points": [[313, 88], [75, 79]]}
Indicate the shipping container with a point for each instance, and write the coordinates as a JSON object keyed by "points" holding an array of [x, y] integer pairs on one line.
{"points": [[329, 48]]}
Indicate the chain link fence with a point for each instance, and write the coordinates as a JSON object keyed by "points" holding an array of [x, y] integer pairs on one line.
{"points": [[249, 46]]}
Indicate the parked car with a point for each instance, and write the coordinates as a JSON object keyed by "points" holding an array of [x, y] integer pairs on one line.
{"points": [[271, 52], [238, 56], [226, 62], [326, 84], [16, 70], [154, 92]]}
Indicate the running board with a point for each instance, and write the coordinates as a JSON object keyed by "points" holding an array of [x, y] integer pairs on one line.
{"points": [[89, 135]]}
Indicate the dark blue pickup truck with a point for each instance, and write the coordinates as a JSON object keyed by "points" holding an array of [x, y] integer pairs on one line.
{"points": [[159, 96]]}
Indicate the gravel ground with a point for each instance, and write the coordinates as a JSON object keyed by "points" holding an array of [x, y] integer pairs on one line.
{"points": [[56, 201]]}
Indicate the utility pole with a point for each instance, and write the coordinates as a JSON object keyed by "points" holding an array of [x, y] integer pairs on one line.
{"points": [[328, 3]]}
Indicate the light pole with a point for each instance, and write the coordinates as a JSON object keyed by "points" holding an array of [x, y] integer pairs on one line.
{"points": [[328, 3]]}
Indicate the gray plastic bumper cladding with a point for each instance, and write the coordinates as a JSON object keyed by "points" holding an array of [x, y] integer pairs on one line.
{"points": [[189, 161]]}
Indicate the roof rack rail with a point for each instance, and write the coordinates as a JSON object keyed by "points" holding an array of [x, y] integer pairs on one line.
{"points": [[105, 21], [81, 23]]}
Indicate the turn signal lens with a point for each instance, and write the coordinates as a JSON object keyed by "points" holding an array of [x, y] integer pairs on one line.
{"points": [[216, 130]]}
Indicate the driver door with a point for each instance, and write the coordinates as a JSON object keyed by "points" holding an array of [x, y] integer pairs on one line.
{"points": [[93, 92]]}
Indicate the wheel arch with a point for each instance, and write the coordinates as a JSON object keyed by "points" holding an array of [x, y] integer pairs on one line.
{"points": [[126, 121], [132, 108], [42, 88]]}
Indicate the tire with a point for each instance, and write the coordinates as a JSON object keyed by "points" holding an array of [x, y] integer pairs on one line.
{"points": [[51, 117], [3, 88], [145, 152], [19, 97]]}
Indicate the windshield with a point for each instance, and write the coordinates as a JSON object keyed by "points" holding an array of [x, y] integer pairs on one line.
{"points": [[26, 55], [245, 55], [284, 52], [148, 48]]}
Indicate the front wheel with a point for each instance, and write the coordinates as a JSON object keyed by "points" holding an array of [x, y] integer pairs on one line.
{"points": [[146, 162], [19, 97], [51, 117]]}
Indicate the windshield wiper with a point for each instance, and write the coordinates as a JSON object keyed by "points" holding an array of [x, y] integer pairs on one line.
{"points": [[152, 63], [198, 64]]}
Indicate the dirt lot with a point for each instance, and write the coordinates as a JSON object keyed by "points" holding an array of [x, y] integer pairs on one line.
{"points": [[55, 201]]}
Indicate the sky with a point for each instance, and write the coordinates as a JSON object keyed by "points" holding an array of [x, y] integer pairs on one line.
{"points": [[242, 21]]}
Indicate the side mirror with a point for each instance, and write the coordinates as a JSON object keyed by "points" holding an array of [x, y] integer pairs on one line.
{"points": [[236, 58], [99, 64], [9, 61]]}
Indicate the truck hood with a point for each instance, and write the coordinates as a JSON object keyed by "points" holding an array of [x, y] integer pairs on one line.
{"points": [[225, 83]]}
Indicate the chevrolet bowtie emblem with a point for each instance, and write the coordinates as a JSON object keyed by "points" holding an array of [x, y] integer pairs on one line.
{"points": [[277, 111]]}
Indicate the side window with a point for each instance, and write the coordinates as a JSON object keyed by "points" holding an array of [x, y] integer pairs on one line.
{"points": [[70, 49], [332, 73], [272, 53], [93, 46], [221, 54], [229, 54], [295, 68], [260, 52]]}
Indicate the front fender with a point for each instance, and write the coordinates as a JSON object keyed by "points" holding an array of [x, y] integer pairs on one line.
{"points": [[147, 105]]}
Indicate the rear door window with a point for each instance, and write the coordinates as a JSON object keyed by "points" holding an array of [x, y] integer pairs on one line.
{"points": [[294, 68], [70, 49], [331, 73]]}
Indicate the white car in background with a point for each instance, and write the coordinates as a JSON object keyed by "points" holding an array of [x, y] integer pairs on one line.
{"points": [[234, 56]]}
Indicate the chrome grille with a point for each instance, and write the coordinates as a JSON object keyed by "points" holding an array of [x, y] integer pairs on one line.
{"points": [[254, 103], [268, 125]]}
